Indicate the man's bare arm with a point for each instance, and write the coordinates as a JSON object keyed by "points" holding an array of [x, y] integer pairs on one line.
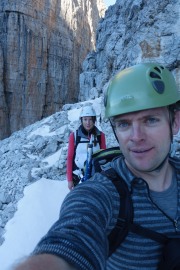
{"points": [[44, 262]]}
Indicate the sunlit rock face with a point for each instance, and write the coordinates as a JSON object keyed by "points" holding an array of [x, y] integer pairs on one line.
{"points": [[42, 46]]}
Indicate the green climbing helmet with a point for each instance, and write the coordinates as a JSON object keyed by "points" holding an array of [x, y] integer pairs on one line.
{"points": [[140, 87]]}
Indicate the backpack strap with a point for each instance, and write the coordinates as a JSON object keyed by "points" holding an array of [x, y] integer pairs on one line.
{"points": [[125, 216], [76, 139], [124, 222], [145, 232], [99, 139]]}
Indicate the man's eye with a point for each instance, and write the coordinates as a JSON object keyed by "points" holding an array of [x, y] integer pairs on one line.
{"points": [[152, 120], [121, 124]]}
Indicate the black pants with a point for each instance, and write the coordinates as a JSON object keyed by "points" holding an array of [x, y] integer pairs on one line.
{"points": [[76, 180]]}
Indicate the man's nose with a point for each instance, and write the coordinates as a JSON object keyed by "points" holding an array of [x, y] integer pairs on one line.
{"points": [[137, 132]]}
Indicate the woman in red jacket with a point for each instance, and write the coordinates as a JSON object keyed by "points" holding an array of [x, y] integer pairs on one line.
{"points": [[78, 141]]}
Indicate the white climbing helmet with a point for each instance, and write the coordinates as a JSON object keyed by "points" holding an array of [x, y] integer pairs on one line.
{"points": [[87, 111]]}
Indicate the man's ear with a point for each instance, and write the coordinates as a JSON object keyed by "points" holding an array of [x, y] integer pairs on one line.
{"points": [[176, 124]]}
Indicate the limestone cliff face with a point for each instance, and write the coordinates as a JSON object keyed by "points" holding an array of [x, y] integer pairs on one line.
{"points": [[42, 46], [132, 32]]}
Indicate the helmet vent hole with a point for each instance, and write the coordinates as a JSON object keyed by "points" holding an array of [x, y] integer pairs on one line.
{"points": [[157, 69], [158, 86], [154, 75]]}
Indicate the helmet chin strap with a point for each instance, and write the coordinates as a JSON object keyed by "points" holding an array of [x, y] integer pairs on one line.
{"points": [[158, 168], [114, 131]]}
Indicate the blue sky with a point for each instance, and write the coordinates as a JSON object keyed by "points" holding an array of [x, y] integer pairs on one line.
{"points": [[109, 2]]}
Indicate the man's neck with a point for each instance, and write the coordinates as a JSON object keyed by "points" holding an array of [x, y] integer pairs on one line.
{"points": [[157, 180]]}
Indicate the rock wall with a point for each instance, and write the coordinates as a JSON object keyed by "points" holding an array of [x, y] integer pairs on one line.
{"points": [[42, 46], [132, 32]]}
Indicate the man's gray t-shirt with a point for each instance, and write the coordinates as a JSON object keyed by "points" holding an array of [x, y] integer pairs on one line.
{"points": [[167, 200]]}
